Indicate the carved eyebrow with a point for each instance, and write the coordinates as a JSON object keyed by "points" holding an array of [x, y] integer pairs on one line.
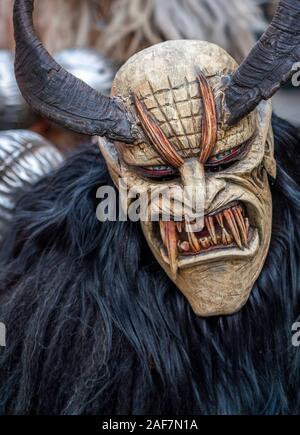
{"points": [[209, 127], [209, 123], [160, 142]]}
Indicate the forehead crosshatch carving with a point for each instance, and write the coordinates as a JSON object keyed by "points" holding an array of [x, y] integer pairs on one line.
{"points": [[173, 98], [182, 127], [208, 125]]}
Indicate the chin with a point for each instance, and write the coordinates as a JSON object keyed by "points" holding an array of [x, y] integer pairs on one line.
{"points": [[219, 278]]}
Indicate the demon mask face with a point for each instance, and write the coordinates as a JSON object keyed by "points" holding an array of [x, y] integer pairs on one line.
{"points": [[185, 147], [182, 118]]}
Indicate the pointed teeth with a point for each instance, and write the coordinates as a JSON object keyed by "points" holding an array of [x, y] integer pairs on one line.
{"points": [[237, 212], [193, 241], [171, 245], [226, 237], [162, 231], [205, 243], [209, 222], [179, 226], [219, 218], [224, 228], [228, 215]]}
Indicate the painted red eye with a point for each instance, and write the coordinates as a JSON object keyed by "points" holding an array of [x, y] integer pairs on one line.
{"points": [[158, 172], [223, 160], [226, 156]]}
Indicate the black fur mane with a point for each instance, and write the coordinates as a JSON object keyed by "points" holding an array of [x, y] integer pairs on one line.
{"points": [[95, 326]]}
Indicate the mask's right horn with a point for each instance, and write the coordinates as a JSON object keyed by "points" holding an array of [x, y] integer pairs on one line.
{"points": [[269, 65]]}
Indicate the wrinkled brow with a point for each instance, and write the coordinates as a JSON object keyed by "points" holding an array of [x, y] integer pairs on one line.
{"points": [[209, 127]]}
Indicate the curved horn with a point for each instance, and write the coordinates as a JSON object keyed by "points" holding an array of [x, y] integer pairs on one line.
{"points": [[57, 94], [269, 65]]}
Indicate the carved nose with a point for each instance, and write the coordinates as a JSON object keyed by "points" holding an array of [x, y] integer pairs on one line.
{"points": [[194, 194]]}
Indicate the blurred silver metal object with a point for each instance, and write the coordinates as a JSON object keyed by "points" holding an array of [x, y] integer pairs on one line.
{"points": [[14, 111], [25, 157], [88, 65]]}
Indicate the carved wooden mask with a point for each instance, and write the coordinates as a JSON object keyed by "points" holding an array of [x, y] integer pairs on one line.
{"points": [[176, 90]]}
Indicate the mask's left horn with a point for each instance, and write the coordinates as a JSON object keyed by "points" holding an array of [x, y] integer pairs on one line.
{"points": [[58, 95]]}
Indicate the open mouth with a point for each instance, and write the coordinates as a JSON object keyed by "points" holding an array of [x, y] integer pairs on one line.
{"points": [[226, 232]]}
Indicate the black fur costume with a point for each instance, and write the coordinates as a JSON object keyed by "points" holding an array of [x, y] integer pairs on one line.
{"points": [[96, 327]]}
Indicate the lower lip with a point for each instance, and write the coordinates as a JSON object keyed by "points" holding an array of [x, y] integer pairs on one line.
{"points": [[213, 254]]}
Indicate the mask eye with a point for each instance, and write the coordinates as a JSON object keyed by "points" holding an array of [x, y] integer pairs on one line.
{"points": [[225, 159], [159, 173], [224, 156]]}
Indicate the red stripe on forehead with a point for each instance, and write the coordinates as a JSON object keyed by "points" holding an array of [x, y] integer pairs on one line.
{"points": [[209, 123], [159, 140]]}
